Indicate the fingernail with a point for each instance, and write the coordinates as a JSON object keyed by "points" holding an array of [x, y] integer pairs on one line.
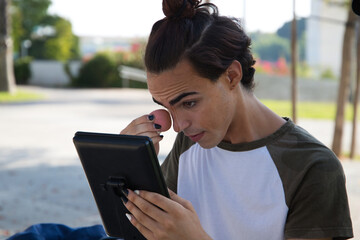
{"points": [[137, 192], [125, 191], [151, 117], [157, 126], [128, 216], [124, 199]]}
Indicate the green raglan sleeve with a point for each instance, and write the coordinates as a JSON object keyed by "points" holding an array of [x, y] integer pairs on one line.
{"points": [[170, 165], [314, 187], [319, 205]]}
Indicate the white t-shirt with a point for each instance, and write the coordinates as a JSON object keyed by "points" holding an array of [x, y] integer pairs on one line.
{"points": [[231, 191], [287, 185]]}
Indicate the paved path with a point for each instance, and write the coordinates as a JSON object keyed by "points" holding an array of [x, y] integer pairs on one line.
{"points": [[41, 179]]}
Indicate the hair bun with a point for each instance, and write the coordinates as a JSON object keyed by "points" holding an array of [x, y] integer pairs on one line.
{"points": [[180, 8]]}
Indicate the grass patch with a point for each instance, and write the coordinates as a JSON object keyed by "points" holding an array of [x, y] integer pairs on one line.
{"points": [[20, 96], [314, 110]]}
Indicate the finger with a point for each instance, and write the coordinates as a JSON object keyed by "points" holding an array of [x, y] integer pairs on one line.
{"points": [[164, 203], [157, 138], [140, 120], [145, 212], [141, 129], [183, 202], [142, 229], [147, 129]]}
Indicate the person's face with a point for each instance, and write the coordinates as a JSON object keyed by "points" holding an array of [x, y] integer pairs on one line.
{"points": [[202, 109]]}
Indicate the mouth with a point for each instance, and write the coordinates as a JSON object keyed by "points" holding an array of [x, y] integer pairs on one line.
{"points": [[196, 137]]}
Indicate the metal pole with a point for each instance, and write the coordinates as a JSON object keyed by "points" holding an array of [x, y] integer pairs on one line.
{"points": [[244, 16], [293, 65]]}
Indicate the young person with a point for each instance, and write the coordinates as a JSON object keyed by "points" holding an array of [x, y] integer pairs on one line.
{"points": [[237, 170]]}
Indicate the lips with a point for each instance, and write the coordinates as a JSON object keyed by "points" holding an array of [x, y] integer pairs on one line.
{"points": [[196, 137]]}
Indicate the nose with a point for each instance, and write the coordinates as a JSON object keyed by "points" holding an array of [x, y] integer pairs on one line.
{"points": [[176, 126], [179, 122]]}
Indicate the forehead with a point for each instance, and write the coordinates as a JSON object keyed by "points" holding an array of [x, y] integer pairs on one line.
{"points": [[171, 83]]}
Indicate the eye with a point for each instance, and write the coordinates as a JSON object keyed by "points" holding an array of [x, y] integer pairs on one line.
{"points": [[189, 104]]}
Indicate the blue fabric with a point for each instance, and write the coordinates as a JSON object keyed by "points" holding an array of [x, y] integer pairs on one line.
{"points": [[51, 231]]}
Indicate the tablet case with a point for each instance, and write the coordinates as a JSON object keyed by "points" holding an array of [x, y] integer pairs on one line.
{"points": [[112, 162]]}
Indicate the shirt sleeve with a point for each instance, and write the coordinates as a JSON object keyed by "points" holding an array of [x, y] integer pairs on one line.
{"points": [[314, 187], [170, 166], [319, 207]]}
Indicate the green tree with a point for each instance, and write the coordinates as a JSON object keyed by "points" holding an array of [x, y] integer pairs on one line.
{"points": [[285, 32], [17, 28], [59, 46], [270, 47], [31, 19], [32, 12], [100, 71]]}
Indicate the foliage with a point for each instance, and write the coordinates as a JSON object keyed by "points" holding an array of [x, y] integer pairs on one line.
{"points": [[285, 30], [327, 74], [108, 63], [68, 72], [302, 47], [59, 47], [17, 28], [75, 48], [29, 17], [136, 84], [63, 45], [270, 47], [100, 71], [303, 70], [278, 68], [132, 58], [22, 70], [32, 12]]}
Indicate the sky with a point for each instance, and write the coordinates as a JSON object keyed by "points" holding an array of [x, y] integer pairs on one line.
{"points": [[120, 18]]}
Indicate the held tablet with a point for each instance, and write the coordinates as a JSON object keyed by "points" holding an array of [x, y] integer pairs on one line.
{"points": [[112, 162]]}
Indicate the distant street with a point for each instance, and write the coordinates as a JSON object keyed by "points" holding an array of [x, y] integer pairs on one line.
{"points": [[41, 179]]}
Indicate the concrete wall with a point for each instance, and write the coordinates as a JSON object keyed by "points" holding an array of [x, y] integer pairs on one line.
{"points": [[279, 88], [51, 73]]}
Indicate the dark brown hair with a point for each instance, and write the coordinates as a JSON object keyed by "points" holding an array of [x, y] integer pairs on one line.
{"points": [[195, 32]]}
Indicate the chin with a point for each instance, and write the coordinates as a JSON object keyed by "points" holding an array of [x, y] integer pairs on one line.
{"points": [[208, 145]]}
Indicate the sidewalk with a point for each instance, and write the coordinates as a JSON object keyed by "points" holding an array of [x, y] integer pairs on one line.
{"points": [[41, 179]]}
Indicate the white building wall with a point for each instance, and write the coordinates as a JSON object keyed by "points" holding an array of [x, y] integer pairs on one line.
{"points": [[325, 32], [51, 73]]}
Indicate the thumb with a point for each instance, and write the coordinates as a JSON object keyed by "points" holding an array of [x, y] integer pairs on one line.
{"points": [[157, 148]]}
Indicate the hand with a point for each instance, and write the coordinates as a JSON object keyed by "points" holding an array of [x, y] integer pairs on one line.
{"points": [[176, 219], [145, 126]]}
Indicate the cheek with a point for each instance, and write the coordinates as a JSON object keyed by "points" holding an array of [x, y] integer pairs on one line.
{"points": [[217, 115], [206, 118]]}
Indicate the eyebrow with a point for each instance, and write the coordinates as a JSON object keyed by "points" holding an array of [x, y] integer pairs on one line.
{"points": [[155, 101], [177, 99]]}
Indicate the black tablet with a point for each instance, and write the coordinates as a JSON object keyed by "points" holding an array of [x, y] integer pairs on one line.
{"points": [[112, 162]]}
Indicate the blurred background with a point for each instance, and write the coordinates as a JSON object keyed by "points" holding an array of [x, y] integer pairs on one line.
{"points": [[77, 65]]}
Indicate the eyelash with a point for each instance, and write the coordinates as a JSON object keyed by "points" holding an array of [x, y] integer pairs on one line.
{"points": [[189, 104]]}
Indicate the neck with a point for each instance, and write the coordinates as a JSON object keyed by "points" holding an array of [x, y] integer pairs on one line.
{"points": [[252, 120]]}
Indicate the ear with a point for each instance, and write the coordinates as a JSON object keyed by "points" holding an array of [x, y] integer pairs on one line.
{"points": [[234, 73]]}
